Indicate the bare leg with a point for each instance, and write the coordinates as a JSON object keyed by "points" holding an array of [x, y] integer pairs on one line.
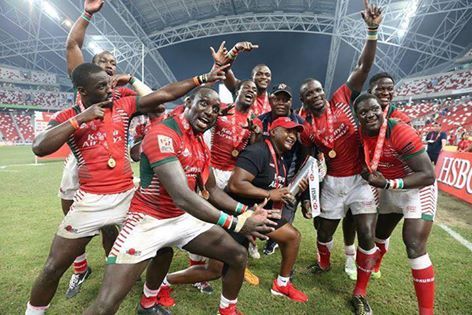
{"points": [[109, 235], [158, 268], [199, 273], [288, 239], [349, 229]]}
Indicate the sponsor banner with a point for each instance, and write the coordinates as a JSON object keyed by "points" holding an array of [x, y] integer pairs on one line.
{"points": [[454, 174], [41, 120]]}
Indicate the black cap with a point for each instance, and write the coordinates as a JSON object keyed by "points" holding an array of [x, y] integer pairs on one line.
{"points": [[282, 87]]}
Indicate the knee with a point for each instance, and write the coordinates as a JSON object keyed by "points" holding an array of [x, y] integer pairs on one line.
{"points": [[101, 307], [52, 270], [414, 247], [293, 237], [239, 257]]}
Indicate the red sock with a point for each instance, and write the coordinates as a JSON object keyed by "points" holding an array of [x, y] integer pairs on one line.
{"points": [[365, 262], [423, 280], [80, 264], [383, 249], [324, 253]]}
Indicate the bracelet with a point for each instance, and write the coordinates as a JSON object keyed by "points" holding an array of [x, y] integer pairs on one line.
{"points": [[131, 79], [196, 81], [394, 184], [227, 222], [372, 33], [240, 208], [74, 123], [87, 16], [233, 53]]}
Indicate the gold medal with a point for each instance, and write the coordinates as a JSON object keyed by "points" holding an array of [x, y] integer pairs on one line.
{"points": [[111, 162], [235, 153], [205, 194], [332, 154]]}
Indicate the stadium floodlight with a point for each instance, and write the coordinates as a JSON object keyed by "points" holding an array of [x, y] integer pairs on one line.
{"points": [[50, 10], [409, 12], [67, 23]]}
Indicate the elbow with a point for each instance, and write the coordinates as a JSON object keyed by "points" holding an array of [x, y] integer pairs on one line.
{"points": [[430, 179], [38, 150], [232, 187]]}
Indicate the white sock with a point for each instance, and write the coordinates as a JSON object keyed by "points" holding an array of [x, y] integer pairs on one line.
{"points": [[80, 258], [224, 302], [35, 310], [350, 250], [148, 292], [282, 281]]}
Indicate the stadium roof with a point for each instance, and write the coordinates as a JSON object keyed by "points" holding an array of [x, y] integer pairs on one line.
{"points": [[417, 36]]}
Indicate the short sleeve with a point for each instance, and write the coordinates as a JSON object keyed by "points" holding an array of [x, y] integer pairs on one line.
{"points": [[401, 116], [342, 95], [306, 136], [62, 116], [161, 145], [124, 92], [253, 159], [128, 104], [406, 141]]}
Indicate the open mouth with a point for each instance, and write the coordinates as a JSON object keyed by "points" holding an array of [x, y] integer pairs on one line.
{"points": [[203, 122], [249, 97], [289, 142], [109, 71], [372, 122]]}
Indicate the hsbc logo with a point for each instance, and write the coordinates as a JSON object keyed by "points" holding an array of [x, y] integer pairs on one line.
{"points": [[457, 173]]}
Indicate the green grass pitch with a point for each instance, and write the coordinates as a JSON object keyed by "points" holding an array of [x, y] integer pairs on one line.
{"points": [[30, 213]]}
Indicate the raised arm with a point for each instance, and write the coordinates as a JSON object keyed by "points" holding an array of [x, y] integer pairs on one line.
{"points": [[173, 91], [372, 16], [75, 39]]}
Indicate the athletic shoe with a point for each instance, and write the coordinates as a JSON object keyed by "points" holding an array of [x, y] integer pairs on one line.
{"points": [[376, 275], [316, 269], [155, 310], [250, 278], [76, 282], [288, 291], [230, 310], [361, 306], [350, 267], [270, 247], [203, 287], [163, 297], [253, 251]]}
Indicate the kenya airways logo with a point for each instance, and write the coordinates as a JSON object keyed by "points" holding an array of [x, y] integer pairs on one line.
{"points": [[165, 144]]}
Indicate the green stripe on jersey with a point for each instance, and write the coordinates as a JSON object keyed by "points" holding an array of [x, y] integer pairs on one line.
{"points": [[145, 171], [409, 156], [172, 124]]}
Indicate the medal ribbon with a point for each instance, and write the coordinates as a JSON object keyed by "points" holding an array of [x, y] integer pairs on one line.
{"points": [[274, 159], [373, 164], [329, 143], [239, 140]]}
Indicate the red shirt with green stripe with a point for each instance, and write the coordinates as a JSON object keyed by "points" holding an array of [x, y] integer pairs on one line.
{"points": [[89, 146], [401, 143], [171, 140]]}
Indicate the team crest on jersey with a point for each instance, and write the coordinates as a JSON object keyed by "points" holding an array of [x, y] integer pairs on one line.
{"points": [[165, 144]]}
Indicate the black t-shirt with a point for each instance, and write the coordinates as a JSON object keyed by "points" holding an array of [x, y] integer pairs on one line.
{"points": [[257, 160]]}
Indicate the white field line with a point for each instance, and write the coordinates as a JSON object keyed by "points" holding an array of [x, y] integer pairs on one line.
{"points": [[456, 236], [20, 165]]}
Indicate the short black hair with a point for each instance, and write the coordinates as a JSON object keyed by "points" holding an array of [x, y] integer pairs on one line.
{"points": [[379, 76], [253, 71], [305, 82], [96, 56], [240, 84], [80, 75], [363, 97], [198, 89]]}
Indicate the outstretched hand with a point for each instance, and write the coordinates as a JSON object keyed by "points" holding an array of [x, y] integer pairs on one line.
{"points": [[226, 111], [219, 56], [258, 223], [372, 14], [216, 74], [93, 6], [245, 46]]}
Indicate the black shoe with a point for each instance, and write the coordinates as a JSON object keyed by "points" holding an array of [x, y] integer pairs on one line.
{"points": [[361, 306], [155, 310], [316, 269], [76, 282], [270, 247]]}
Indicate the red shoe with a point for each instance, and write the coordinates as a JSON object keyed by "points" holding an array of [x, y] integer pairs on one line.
{"points": [[163, 297], [230, 310], [288, 291]]}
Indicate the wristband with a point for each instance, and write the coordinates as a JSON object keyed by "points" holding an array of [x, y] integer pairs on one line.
{"points": [[74, 123], [86, 16], [131, 79], [240, 208], [394, 184], [222, 219], [372, 33], [233, 53], [227, 222]]}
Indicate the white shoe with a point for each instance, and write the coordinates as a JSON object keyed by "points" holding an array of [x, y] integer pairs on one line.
{"points": [[253, 252], [350, 267], [376, 275]]}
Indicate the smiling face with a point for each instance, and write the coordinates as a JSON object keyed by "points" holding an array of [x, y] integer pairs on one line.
{"points": [[284, 138], [203, 110], [370, 115], [280, 104], [313, 96], [246, 95], [383, 89], [261, 75]]}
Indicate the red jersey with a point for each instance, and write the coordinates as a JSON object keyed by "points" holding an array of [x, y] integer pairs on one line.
{"points": [[90, 146], [171, 140], [262, 104], [401, 143], [463, 145], [117, 94], [346, 139], [393, 112], [227, 136]]}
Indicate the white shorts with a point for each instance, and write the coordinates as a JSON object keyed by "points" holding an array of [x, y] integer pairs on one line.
{"points": [[413, 203], [90, 212], [338, 194], [70, 179], [222, 177], [143, 235]]}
